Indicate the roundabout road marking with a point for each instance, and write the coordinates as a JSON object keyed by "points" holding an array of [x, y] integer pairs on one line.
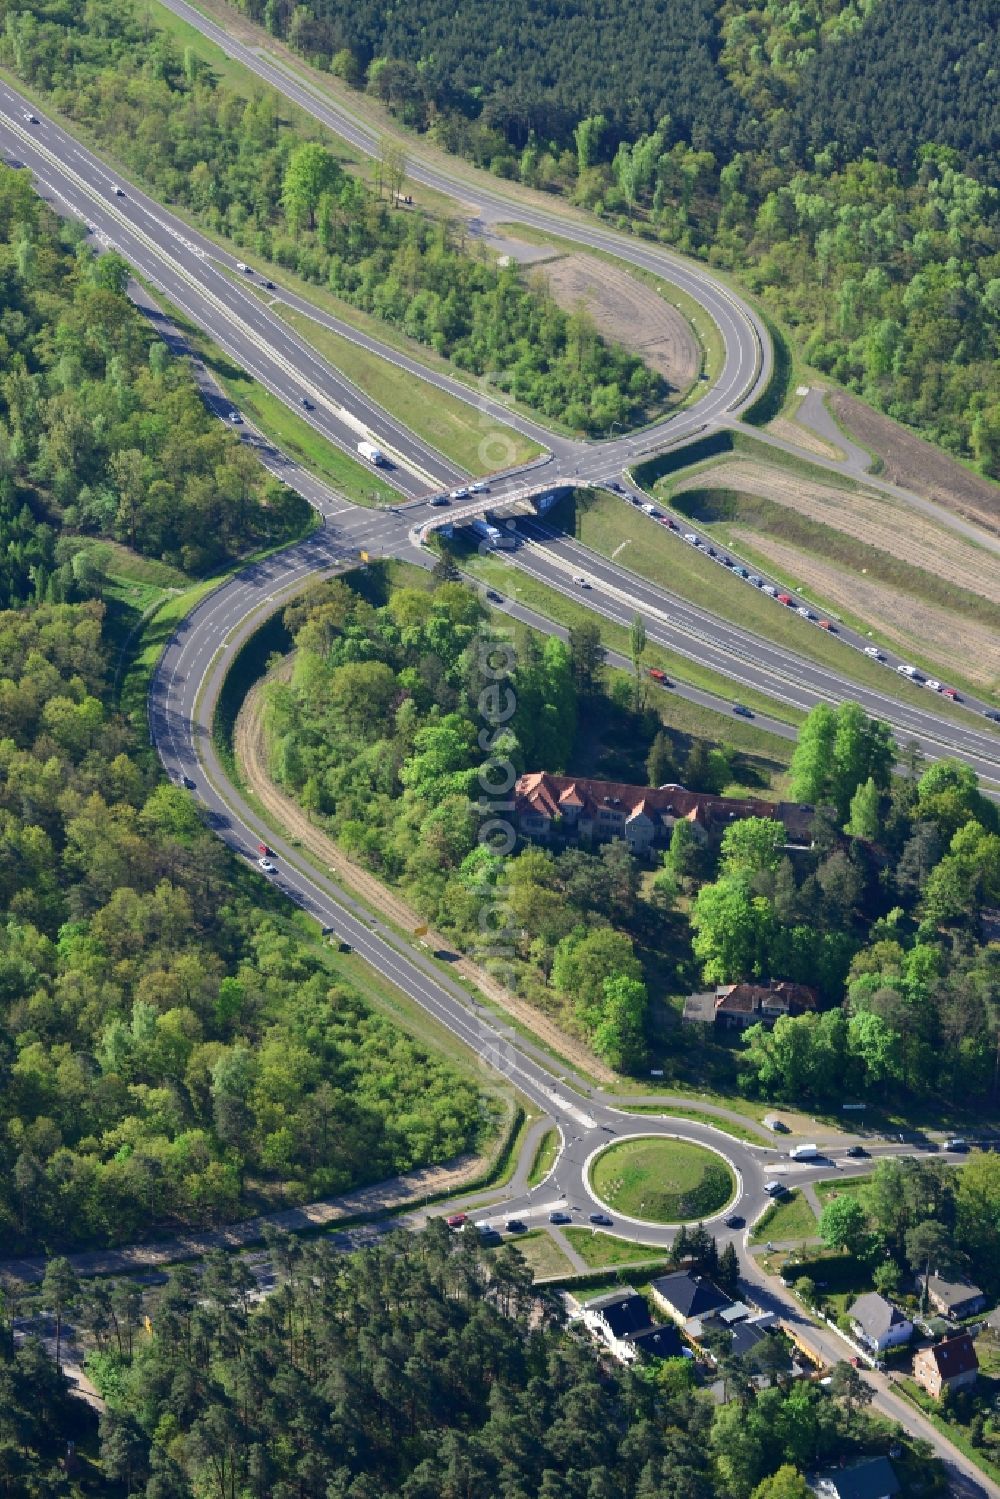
{"points": [[646, 1222]]}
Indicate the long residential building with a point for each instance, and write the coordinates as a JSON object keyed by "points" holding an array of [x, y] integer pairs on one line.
{"points": [[579, 807]]}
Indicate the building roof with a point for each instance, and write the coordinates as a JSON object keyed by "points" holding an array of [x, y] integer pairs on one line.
{"points": [[954, 1356], [658, 1342], [738, 1311], [875, 1314], [779, 994], [624, 1311], [871, 1478], [546, 795], [690, 1295], [950, 1293]]}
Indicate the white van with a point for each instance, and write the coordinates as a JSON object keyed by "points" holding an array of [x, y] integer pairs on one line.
{"points": [[804, 1153]]}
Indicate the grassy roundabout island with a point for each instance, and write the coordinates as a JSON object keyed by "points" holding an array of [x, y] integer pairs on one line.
{"points": [[662, 1181]]}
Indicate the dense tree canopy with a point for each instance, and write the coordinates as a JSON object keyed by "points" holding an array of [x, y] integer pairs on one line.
{"points": [[235, 161], [172, 1050]]}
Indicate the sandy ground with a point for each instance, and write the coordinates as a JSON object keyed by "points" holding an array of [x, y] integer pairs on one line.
{"points": [[918, 465], [875, 519], [792, 431], [250, 756], [965, 648], [629, 312]]}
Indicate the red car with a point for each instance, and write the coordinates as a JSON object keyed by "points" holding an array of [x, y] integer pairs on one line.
{"points": [[657, 675], [672, 524], [263, 850], [785, 598], [457, 1220], [950, 693]]}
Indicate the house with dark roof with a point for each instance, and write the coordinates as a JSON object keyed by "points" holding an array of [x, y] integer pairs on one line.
{"points": [[581, 807], [687, 1297], [614, 1318], [878, 1324], [621, 1320], [736, 1006], [952, 1298], [950, 1365], [871, 1478], [661, 1341]]}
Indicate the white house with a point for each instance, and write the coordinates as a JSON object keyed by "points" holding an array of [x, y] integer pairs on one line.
{"points": [[878, 1324]]}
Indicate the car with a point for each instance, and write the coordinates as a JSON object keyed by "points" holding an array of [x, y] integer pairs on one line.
{"points": [[269, 285], [246, 269], [480, 487], [770, 590], [825, 624], [741, 572], [933, 684], [266, 853], [712, 552], [956, 1145], [515, 1226], [235, 418], [457, 1220], [672, 525], [187, 781], [909, 671], [648, 509], [786, 599], [602, 1220], [992, 715], [806, 613], [580, 580], [726, 561], [267, 866], [460, 494], [558, 1217], [31, 119], [440, 499], [119, 192], [742, 711], [344, 947], [735, 1221], [691, 539], [874, 652], [493, 596], [660, 676], [756, 580], [306, 403], [857, 1151], [951, 694], [775, 1189]]}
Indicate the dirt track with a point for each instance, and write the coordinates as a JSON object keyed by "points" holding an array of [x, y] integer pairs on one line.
{"points": [[874, 519], [624, 309], [918, 465], [963, 648], [792, 431], [248, 744]]}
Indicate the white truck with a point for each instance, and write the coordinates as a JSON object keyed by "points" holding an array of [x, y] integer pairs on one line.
{"points": [[371, 453], [490, 534], [804, 1153]]}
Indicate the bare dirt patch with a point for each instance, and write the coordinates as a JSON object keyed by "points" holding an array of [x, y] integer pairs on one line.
{"points": [[251, 756], [792, 431], [875, 519], [958, 647], [629, 313], [915, 464]]}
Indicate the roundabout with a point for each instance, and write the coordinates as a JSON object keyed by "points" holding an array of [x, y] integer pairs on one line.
{"points": [[662, 1179]]}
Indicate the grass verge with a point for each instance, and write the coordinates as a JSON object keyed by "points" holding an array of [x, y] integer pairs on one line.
{"points": [[280, 424], [790, 1218], [545, 1157], [662, 1181], [688, 717], [542, 1255], [602, 1251], [727, 1126], [454, 427], [955, 1433]]}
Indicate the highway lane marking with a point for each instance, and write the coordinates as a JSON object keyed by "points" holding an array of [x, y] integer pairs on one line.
{"points": [[210, 297]]}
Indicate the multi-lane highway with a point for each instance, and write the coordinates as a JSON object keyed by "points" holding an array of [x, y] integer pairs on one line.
{"points": [[202, 281]]}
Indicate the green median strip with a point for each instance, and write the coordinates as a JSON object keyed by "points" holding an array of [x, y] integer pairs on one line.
{"points": [[470, 438], [687, 717]]}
